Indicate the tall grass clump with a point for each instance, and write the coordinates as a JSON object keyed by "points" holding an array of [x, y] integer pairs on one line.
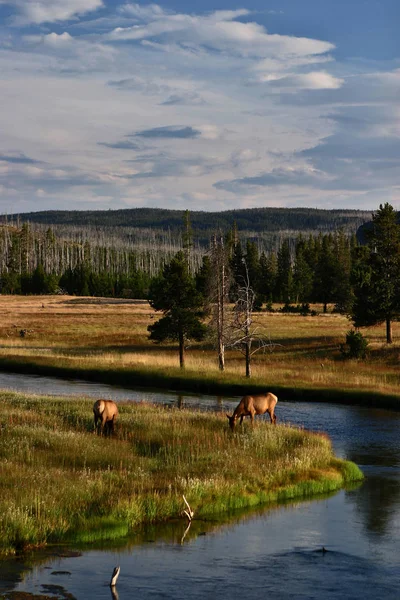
{"points": [[59, 481]]}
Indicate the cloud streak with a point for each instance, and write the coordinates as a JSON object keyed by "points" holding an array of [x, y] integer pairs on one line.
{"points": [[18, 158], [169, 132]]}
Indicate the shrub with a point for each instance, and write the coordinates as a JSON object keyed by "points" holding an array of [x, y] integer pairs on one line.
{"points": [[302, 309], [356, 345]]}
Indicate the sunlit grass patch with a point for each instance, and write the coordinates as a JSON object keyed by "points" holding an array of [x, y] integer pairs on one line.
{"points": [[58, 480], [104, 340]]}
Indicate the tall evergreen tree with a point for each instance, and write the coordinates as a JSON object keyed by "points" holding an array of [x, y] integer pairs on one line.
{"points": [[254, 271], [302, 273], [377, 279], [174, 293], [284, 279], [268, 276], [343, 293], [325, 272]]}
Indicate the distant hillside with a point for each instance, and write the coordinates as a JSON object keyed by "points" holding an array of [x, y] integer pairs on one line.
{"points": [[255, 222]]}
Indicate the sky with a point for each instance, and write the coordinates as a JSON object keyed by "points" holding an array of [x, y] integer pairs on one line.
{"points": [[211, 105]]}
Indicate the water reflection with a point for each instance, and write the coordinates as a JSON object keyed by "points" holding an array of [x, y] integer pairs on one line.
{"points": [[114, 593], [378, 504]]}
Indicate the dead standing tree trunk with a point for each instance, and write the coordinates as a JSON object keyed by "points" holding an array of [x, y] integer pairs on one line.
{"points": [[217, 295], [243, 335], [220, 273]]}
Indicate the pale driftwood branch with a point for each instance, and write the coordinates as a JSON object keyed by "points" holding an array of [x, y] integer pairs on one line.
{"points": [[114, 576], [185, 532], [189, 513]]}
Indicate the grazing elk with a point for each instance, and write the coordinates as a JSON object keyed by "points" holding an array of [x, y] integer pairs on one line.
{"points": [[254, 405], [105, 414]]}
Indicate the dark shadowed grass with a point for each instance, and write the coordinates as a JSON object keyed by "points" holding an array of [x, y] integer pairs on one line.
{"points": [[59, 481]]}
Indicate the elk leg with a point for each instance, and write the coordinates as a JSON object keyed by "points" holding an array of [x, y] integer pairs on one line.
{"points": [[272, 415]]}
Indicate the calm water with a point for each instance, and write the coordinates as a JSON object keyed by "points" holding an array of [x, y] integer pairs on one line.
{"points": [[275, 552]]}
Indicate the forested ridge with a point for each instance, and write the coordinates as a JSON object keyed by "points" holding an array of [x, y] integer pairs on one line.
{"points": [[205, 224]]}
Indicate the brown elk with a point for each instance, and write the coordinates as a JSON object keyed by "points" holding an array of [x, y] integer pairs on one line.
{"points": [[254, 405], [105, 414]]}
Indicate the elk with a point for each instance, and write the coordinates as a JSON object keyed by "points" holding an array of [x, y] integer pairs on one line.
{"points": [[254, 405], [105, 411]]}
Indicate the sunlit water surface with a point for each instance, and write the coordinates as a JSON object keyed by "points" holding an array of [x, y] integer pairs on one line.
{"points": [[273, 553]]}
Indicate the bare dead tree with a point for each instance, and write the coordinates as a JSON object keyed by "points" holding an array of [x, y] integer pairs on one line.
{"points": [[244, 334], [218, 296]]}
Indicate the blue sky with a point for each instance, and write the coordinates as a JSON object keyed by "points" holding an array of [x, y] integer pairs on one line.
{"points": [[231, 105]]}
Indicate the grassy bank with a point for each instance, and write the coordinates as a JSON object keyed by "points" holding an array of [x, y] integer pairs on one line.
{"points": [[190, 381], [59, 481], [106, 340]]}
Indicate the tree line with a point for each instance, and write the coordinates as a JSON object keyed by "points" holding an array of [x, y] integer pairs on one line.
{"points": [[34, 260], [362, 281]]}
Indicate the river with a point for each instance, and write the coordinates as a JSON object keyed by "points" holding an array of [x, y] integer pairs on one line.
{"points": [[346, 546]]}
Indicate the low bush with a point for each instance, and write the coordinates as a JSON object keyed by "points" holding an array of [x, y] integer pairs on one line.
{"points": [[356, 345]]}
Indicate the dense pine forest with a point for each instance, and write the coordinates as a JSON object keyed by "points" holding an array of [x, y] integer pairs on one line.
{"points": [[293, 256]]}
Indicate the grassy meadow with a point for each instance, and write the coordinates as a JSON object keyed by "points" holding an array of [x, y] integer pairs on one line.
{"points": [[61, 482], [106, 340]]}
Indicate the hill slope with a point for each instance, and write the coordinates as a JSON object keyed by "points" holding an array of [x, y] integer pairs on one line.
{"points": [[257, 220]]}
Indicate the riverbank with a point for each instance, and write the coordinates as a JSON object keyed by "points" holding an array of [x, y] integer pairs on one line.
{"points": [[98, 340], [60, 482], [189, 382]]}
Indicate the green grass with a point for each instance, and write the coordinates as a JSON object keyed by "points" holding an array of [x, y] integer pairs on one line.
{"points": [[59, 481]]}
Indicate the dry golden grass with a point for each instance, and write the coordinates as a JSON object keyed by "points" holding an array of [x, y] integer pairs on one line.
{"points": [[107, 333]]}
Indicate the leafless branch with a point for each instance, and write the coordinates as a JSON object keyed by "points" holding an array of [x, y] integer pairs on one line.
{"points": [[189, 513]]}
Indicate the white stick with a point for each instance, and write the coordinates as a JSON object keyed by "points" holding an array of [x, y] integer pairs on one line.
{"points": [[115, 576], [189, 513]]}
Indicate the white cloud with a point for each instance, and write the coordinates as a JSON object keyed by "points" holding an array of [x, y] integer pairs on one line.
{"points": [[67, 53], [314, 80], [50, 11], [144, 12], [55, 39], [220, 31]]}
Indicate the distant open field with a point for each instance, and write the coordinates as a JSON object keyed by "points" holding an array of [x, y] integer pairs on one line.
{"points": [[110, 336]]}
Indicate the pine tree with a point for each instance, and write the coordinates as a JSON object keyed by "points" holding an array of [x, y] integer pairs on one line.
{"points": [[376, 275], [268, 276], [284, 279], [303, 275], [174, 293], [343, 293], [325, 272]]}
